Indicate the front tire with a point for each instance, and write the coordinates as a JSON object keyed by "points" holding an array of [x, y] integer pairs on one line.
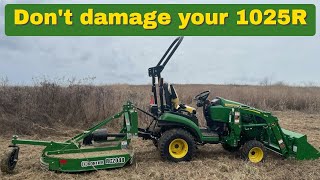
{"points": [[177, 145], [253, 151]]}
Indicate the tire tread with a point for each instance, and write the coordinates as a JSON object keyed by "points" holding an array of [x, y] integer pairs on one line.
{"points": [[169, 134], [244, 151]]}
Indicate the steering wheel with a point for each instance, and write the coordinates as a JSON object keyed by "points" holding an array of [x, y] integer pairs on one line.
{"points": [[201, 98]]}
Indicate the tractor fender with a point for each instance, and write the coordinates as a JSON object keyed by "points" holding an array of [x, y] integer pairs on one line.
{"points": [[169, 121]]}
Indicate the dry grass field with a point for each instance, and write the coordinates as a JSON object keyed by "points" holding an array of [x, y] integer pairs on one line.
{"points": [[52, 112], [48, 107]]}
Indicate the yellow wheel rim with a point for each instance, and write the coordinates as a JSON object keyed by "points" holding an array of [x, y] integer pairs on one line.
{"points": [[255, 155], [178, 148]]}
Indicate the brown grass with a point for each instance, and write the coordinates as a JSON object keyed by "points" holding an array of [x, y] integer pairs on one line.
{"points": [[210, 162], [48, 108]]}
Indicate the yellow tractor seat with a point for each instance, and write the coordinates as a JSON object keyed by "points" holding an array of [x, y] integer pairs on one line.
{"points": [[172, 100]]}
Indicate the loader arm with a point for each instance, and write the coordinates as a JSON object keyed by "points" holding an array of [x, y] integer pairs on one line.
{"points": [[279, 140]]}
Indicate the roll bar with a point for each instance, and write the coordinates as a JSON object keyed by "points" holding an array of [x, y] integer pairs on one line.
{"points": [[156, 71]]}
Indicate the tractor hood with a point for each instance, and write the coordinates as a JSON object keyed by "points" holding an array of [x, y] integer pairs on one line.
{"points": [[233, 104], [229, 103]]}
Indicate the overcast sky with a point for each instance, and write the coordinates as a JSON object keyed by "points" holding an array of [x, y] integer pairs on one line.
{"points": [[242, 60]]}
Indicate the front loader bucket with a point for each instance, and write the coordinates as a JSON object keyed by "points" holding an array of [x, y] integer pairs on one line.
{"points": [[299, 146]]}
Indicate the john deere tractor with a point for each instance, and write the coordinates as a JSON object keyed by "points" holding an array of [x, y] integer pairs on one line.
{"points": [[176, 132]]}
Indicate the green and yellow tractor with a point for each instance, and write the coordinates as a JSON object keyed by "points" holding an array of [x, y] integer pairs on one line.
{"points": [[174, 129]]}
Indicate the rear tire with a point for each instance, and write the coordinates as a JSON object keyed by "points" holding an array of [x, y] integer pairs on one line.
{"points": [[177, 145], [253, 151], [9, 161]]}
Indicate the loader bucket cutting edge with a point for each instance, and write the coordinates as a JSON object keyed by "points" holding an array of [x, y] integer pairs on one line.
{"points": [[299, 146]]}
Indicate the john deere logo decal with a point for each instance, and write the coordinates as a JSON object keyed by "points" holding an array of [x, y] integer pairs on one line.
{"points": [[92, 163], [115, 160]]}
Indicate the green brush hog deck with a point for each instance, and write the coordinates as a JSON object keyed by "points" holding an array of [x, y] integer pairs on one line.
{"points": [[93, 149]]}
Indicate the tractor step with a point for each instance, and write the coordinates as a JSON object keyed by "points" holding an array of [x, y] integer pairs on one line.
{"points": [[207, 132], [209, 136]]}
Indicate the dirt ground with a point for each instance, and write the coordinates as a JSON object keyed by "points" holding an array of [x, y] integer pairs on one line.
{"points": [[211, 161]]}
